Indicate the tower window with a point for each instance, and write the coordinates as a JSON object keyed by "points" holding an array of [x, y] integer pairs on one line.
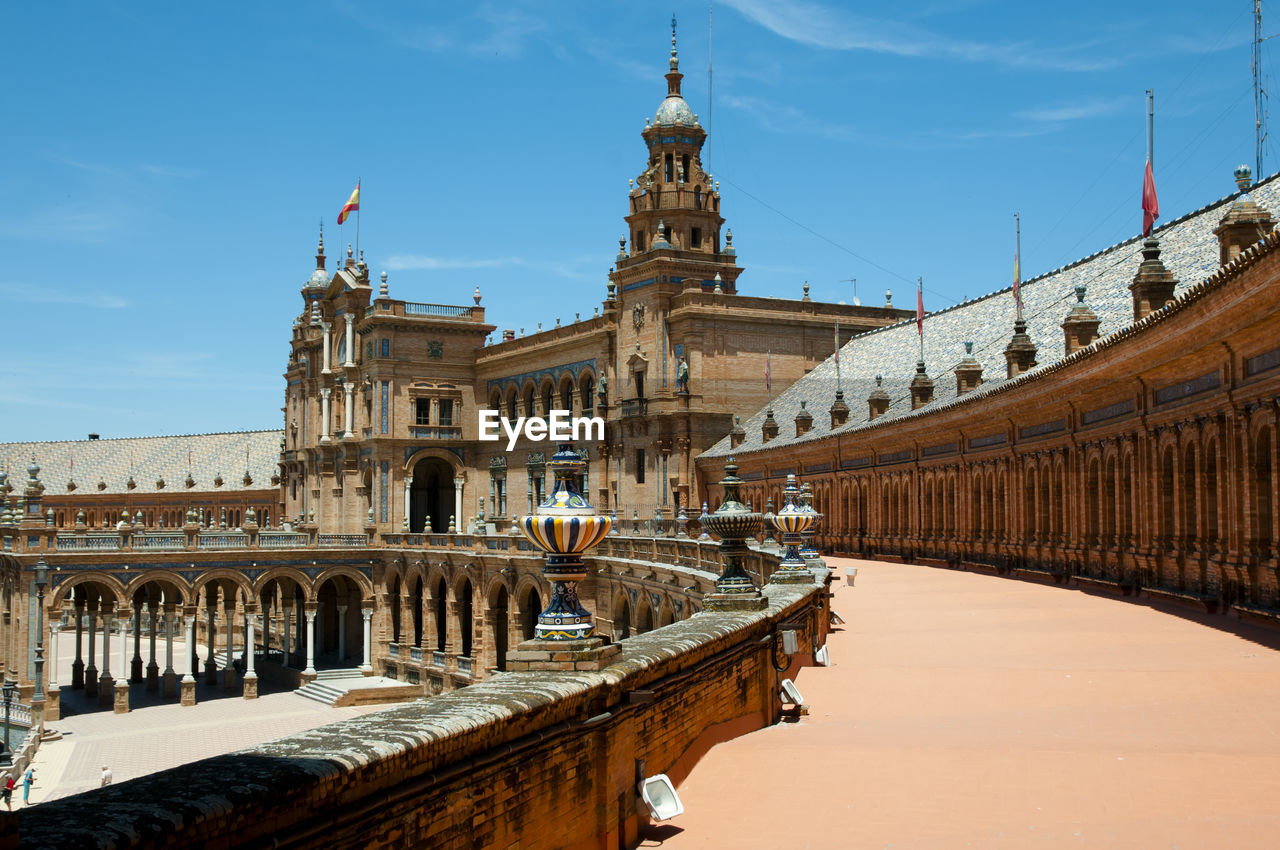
{"points": [[697, 197], [695, 238], [422, 411], [445, 412], [684, 167], [638, 240], [639, 466], [669, 170]]}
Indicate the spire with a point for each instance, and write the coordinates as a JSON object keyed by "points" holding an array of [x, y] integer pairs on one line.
{"points": [[1080, 327], [320, 248], [674, 76], [968, 371]]}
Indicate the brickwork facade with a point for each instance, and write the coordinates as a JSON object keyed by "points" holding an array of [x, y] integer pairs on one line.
{"points": [[1145, 461]]}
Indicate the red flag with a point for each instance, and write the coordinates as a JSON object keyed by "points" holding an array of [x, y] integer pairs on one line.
{"points": [[1150, 206], [920, 309]]}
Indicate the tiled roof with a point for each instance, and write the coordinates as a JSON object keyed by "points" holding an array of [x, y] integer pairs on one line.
{"points": [[148, 459], [1188, 249]]}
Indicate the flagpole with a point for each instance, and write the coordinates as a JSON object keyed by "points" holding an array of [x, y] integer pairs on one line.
{"points": [[358, 180], [1151, 128], [920, 304], [839, 386], [1017, 277], [768, 376]]}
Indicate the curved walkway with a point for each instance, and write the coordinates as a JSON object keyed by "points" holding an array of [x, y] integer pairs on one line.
{"points": [[965, 710]]}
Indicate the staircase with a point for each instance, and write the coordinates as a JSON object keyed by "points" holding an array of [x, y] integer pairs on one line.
{"points": [[328, 686]]}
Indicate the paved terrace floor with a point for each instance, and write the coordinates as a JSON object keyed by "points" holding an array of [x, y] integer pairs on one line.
{"points": [[965, 710]]}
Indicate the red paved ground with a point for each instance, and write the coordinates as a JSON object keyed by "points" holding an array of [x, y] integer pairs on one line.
{"points": [[966, 710]]}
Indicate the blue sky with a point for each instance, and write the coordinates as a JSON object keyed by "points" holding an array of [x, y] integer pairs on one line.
{"points": [[167, 165]]}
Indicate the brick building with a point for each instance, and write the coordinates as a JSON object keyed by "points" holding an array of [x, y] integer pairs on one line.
{"points": [[1122, 434]]}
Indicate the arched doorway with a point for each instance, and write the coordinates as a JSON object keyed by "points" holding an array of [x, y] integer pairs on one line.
{"points": [[339, 624], [431, 496], [498, 618], [530, 608]]}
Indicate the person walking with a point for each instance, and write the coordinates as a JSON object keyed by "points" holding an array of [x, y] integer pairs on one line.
{"points": [[28, 779], [7, 791], [105, 778]]}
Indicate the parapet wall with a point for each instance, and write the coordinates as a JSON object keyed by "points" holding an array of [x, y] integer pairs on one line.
{"points": [[521, 759]]}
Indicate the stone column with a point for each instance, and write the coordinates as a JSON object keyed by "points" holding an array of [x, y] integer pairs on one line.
{"points": [[286, 644], [348, 407], [366, 667], [53, 693], [211, 638], [298, 648], [309, 609], [135, 667], [106, 682], [228, 665], [408, 488], [153, 669], [342, 633], [325, 419], [168, 681], [325, 328], [457, 501], [351, 339], [121, 696], [188, 678], [250, 677], [77, 666], [91, 671]]}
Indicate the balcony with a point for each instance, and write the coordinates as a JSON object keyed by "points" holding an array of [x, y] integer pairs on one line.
{"points": [[435, 432], [635, 407]]}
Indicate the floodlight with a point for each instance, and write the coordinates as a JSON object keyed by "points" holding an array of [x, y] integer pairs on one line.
{"points": [[836, 619], [822, 657], [790, 693], [660, 796], [851, 573]]}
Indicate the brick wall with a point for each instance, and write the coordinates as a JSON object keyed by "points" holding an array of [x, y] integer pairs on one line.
{"points": [[522, 759]]}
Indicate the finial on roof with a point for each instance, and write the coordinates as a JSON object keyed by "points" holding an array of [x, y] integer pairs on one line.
{"points": [[383, 291], [320, 247], [718, 290], [475, 296], [675, 60], [1244, 177], [888, 298], [806, 292]]}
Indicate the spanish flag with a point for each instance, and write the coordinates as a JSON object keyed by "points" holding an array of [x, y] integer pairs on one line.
{"points": [[353, 203]]}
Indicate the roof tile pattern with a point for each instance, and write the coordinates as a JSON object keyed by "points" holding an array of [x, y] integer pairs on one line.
{"points": [[1188, 249], [148, 460]]}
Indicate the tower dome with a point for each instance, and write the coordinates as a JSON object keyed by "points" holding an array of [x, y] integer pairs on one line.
{"points": [[319, 278], [674, 111]]}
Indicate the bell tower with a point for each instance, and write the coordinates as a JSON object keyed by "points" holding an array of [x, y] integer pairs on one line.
{"points": [[673, 207]]}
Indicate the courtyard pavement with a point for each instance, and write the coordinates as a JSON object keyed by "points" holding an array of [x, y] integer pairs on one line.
{"points": [[966, 710], [158, 733]]}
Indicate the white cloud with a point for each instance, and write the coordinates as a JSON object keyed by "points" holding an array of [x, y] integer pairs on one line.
{"points": [[784, 118], [1073, 111], [39, 294], [834, 29]]}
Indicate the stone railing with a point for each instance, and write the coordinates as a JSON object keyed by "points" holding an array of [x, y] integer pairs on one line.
{"points": [[670, 696], [224, 540], [282, 540], [342, 541], [159, 542], [89, 542]]}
